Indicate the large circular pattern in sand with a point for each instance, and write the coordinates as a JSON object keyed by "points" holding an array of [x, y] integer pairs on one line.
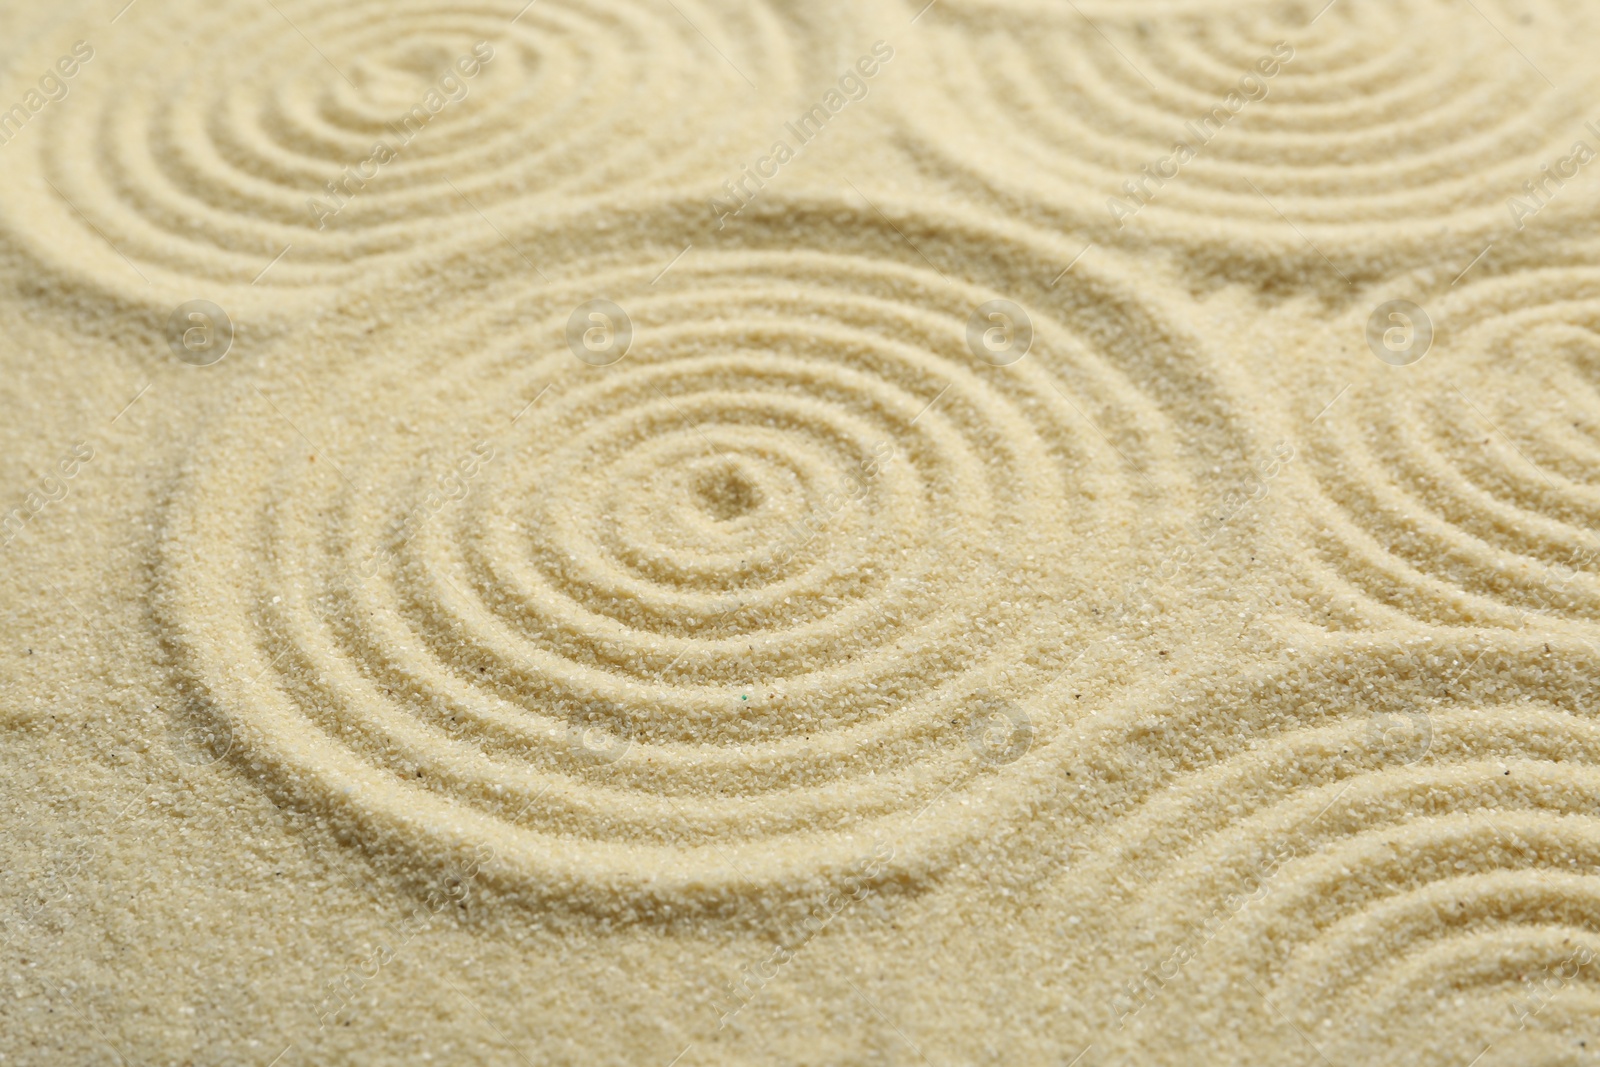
{"points": [[299, 146], [715, 621], [1375, 133], [796, 589], [1461, 491]]}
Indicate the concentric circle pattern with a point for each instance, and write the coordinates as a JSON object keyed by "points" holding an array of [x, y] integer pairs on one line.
{"points": [[1349, 138], [713, 619], [298, 145], [1070, 530], [1463, 491], [1382, 846]]}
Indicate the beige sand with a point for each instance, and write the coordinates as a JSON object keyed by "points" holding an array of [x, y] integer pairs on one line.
{"points": [[605, 587]]}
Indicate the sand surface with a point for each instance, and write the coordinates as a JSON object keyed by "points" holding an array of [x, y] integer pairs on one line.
{"points": [[689, 532]]}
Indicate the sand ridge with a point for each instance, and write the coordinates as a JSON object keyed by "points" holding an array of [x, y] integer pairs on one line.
{"points": [[1392, 134], [1093, 562], [759, 645], [203, 165]]}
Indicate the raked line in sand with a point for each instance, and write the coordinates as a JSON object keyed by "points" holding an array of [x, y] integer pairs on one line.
{"points": [[760, 575], [835, 548], [1331, 142]]}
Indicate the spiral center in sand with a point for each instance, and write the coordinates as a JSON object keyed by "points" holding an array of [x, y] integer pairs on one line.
{"points": [[725, 492], [796, 577]]}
